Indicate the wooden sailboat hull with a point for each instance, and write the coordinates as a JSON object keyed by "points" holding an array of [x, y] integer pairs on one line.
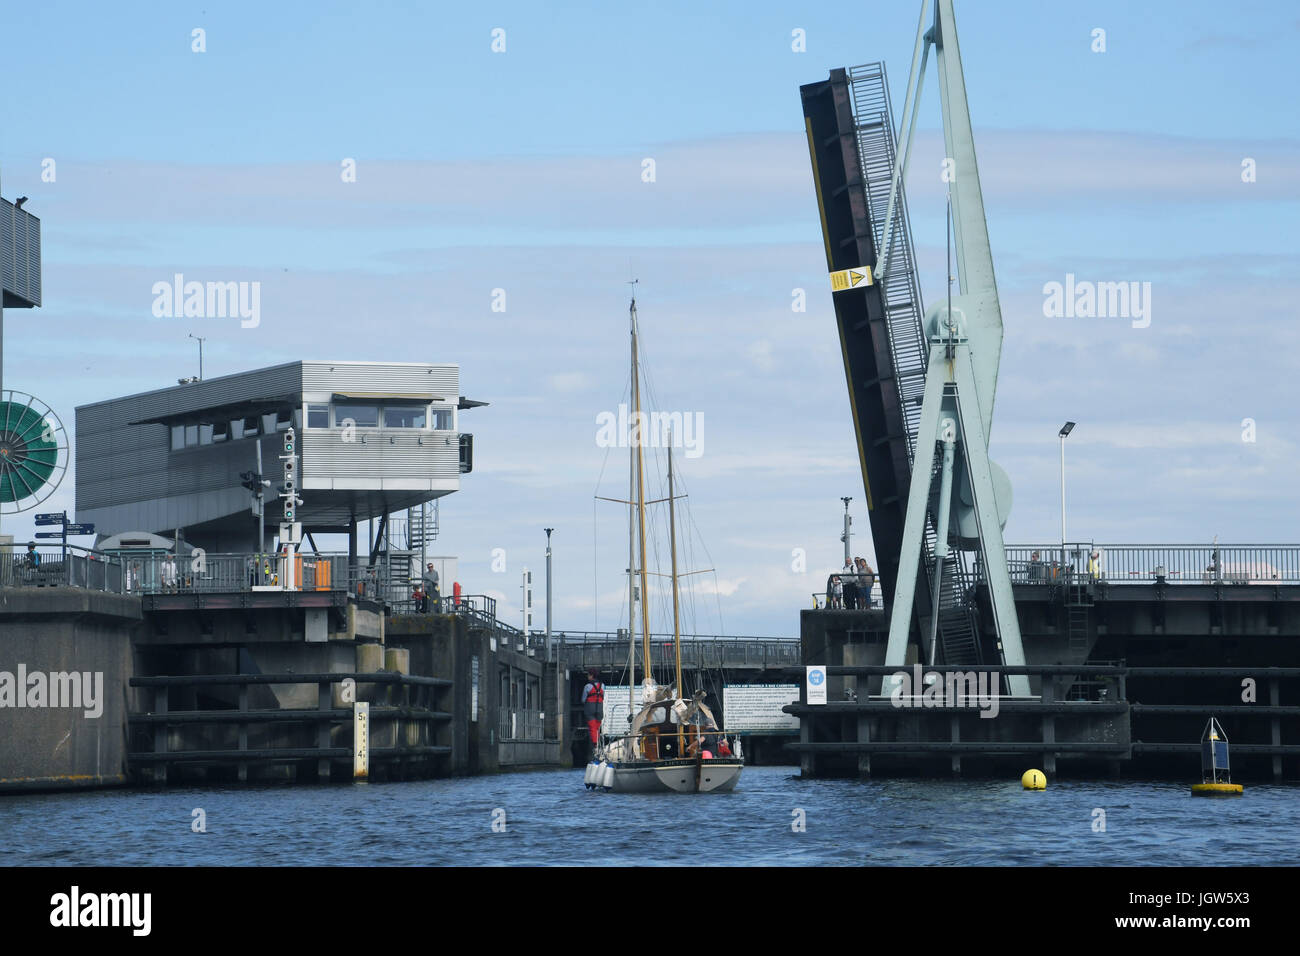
{"points": [[677, 776]]}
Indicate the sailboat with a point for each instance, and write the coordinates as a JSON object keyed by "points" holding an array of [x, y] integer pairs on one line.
{"points": [[673, 742]]}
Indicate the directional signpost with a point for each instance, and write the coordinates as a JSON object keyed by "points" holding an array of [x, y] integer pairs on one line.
{"points": [[61, 518]]}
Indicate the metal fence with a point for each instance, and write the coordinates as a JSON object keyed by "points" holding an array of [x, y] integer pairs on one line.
{"points": [[698, 653], [1147, 563], [59, 567], [821, 602], [162, 573]]}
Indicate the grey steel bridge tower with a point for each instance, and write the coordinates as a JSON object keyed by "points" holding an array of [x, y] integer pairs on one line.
{"points": [[921, 391]]}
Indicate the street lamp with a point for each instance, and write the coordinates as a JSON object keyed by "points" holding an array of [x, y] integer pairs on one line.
{"points": [[1063, 433], [548, 591], [200, 340]]}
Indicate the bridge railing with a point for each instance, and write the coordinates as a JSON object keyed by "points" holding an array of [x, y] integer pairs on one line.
{"points": [[1147, 563], [696, 653], [57, 566]]}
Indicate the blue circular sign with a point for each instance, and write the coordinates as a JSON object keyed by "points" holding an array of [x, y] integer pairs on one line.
{"points": [[816, 677]]}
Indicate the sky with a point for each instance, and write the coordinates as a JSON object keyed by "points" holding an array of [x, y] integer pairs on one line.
{"points": [[521, 169]]}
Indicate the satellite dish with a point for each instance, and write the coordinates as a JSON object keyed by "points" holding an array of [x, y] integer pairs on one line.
{"points": [[33, 451]]}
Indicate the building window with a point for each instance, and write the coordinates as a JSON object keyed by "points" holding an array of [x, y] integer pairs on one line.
{"points": [[252, 426], [441, 419], [410, 416], [236, 429], [221, 431], [191, 435], [365, 416], [318, 416], [178, 437], [205, 434]]}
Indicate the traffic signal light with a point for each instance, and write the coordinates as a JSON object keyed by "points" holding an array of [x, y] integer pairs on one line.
{"points": [[289, 485]]}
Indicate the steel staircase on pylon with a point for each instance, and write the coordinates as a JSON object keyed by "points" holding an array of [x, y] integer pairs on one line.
{"points": [[873, 123]]}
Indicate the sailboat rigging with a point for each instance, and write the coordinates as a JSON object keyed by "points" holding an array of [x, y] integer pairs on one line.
{"points": [[673, 743]]}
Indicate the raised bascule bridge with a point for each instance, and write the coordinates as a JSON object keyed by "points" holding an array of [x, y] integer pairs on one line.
{"points": [[1110, 664]]}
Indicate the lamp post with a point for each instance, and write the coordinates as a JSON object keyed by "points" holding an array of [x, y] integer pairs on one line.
{"points": [[1063, 433], [548, 592], [200, 340]]}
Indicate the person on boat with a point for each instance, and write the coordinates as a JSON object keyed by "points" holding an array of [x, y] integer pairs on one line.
{"points": [[724, 749], [593, 704]]}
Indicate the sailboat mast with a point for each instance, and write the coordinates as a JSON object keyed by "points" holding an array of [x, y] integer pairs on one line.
{"points": [[631, 558], [672, 544], [640, 491]]}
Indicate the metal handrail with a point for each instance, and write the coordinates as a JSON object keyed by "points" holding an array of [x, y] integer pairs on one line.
{"points": [[608, 637], [1270, 564], [62, 566]]}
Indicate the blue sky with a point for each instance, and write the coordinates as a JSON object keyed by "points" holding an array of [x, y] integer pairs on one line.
{"points": [[521, 170]]}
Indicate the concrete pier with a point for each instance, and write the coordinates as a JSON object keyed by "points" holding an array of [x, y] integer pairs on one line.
{"points": [[259, 687], [72, 649]]}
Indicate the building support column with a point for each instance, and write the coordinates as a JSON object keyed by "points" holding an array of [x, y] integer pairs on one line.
{"points": [[324, 701], [864, 737], [1049, 726], [1275, 723]]}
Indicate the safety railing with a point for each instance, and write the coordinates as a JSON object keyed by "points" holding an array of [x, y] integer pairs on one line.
{"points": [[696, 654], [688, 741], [201, 572], [823, 601], [1145, 564], [58, 566]]}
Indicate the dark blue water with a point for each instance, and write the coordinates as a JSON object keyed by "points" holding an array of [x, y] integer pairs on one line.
{"points": [[550, 819]]}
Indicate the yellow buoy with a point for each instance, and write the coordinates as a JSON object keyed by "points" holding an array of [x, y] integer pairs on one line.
{"points": [[1033, 780], [1216, 789]]}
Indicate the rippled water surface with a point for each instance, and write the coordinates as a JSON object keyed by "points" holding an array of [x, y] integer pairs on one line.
{"points": [[550, 819]]}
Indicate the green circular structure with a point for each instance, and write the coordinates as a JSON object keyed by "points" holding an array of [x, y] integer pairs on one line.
{"points": [[33, 451]]}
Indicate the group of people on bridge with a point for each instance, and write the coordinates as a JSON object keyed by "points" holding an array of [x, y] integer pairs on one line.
{"points": [[850, 589]]}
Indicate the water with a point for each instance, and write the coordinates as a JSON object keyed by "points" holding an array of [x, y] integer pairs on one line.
{"points": [[551, 820]]}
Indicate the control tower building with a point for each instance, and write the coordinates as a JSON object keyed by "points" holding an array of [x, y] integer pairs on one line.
{"points": [[374, 438]]}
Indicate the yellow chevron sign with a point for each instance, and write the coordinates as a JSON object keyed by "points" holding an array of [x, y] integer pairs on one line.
{"points": [[850, 278]]}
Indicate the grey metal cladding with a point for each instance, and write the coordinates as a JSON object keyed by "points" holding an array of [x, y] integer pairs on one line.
{"points": [[20, 256], [441, 380], [179, 399], [379, 453], [127, 474]]}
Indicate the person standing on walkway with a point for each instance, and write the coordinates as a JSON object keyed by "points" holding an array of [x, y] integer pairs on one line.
{"points": [[849, 581], [868, 577], [169, 573], [429, 582]]}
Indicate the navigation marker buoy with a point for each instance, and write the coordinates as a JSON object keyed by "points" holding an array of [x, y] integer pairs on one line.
{"points": [[1216, 781], [1033, 780]]}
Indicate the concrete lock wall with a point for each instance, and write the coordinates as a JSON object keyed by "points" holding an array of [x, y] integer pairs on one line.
{"points": [[61, 631], [443, 646]]}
